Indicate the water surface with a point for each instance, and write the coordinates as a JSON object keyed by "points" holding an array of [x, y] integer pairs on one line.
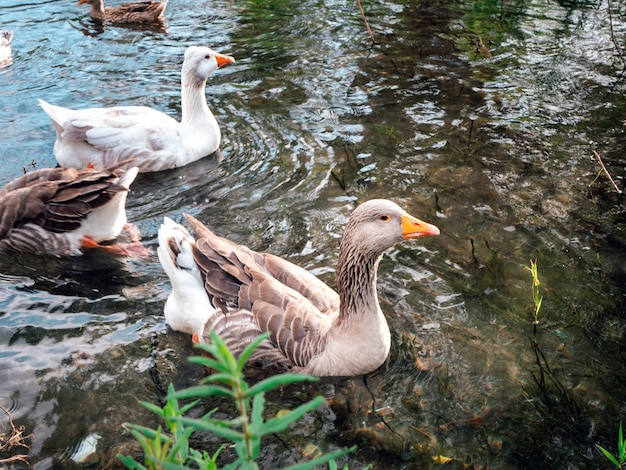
{"points": [[492, 143]]}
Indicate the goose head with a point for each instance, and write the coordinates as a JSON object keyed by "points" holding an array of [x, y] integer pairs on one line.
{"points": [[199, 63], [372, 228], [379, 224]]}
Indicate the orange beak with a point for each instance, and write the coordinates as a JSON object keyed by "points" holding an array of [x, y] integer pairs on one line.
{"points": [[223, 60], [80, 2], [414, 228]]}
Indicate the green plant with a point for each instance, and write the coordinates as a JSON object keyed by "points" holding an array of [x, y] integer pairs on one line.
{"points": [[171, 451], [537, 298], [620, 460], [168, 448]]}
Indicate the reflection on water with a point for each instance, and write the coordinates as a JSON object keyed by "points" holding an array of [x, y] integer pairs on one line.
{"points": [[493, 141]]}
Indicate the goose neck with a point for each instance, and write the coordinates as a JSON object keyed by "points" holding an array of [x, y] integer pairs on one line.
{"points": [[97, 11], [193, 100], [356, 283]]}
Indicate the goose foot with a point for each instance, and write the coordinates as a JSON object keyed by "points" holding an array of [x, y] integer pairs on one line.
{"points": [[134, 250]]}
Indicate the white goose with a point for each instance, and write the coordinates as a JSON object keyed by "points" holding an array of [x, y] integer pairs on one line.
{"points": [[104, 136], [6, 36], [61, 211], [221, 286]]}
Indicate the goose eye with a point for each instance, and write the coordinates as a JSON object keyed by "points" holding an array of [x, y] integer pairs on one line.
{"points": [[208, 56], [384, 217]]}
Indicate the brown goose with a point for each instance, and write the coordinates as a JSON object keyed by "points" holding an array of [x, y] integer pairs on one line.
{"points": [[221, 286], [60, 211], [134, 12]]}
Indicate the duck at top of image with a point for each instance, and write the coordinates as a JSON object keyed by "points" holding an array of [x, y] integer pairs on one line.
{"points": [[134, 12]]}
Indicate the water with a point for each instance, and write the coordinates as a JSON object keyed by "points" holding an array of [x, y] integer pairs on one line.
{"points": [[494, 147]]}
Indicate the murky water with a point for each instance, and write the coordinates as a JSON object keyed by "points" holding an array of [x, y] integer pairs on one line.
{"points": [[493, 144]]}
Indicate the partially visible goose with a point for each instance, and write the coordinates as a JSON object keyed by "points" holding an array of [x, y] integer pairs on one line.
{"points": [[6, 37], [105, 136], [187, 308], [240, 293], [135, 12], [61, 211]]}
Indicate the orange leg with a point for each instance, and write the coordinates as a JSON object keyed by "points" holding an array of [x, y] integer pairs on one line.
{"points": [[135, 249], [133, 232]]}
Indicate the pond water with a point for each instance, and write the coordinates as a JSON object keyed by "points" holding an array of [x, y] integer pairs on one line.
{"points": [[480, 117]]}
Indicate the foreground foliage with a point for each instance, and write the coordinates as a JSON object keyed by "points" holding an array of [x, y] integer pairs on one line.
{"points": [[618, 460], [170, 450]]}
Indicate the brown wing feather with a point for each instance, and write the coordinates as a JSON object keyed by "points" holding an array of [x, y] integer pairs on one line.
{"points": [[136, 12], [291, 304], [57, 199]]}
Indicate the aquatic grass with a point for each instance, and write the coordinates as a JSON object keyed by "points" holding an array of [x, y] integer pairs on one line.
{"points": [[546, 379], [171, 450], [537, 298], [618, 460]]}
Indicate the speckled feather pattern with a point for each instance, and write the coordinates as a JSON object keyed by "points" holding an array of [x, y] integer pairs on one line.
{"points": [[135, 12]]}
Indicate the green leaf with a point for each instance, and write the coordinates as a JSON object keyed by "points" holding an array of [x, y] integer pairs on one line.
{"points": [[255, 446], [249, 349], [279, 424], [130, 463], [187, 407], [224, 355], [181, 447], [608, 455], [202, 391], [209, 363], [248, 466], [152, 407], [256, 417], [278, 381], [236, 465], [169, 465], [226, 378], [149, 433], [218, 430]]}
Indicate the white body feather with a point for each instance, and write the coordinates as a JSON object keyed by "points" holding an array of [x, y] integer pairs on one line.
{"points": [[188, 307]]}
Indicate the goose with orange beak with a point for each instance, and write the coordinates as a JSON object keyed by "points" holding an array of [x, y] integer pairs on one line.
{"points": [[224, 287], [104, 136]]}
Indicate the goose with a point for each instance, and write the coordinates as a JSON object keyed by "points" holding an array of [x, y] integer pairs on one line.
{"points": [[6, 36], [104, 136], [62, 211], [134, 12], [220, 286]]}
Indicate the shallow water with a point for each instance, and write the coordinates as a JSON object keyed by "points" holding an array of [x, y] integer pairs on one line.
{"points": [[492, 144]]}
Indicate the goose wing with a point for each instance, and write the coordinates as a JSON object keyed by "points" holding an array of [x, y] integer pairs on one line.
{"points": [[56, 199], [155, 9], [117, 127], [295, 307]]}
